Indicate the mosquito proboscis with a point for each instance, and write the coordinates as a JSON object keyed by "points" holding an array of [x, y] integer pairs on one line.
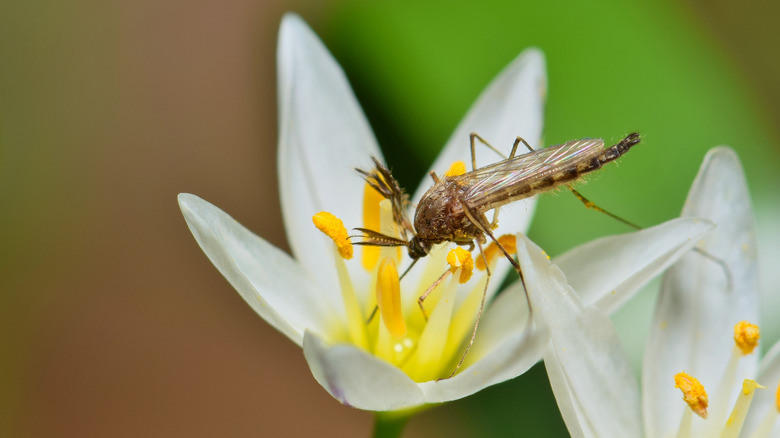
{"points": [[454, 208]]}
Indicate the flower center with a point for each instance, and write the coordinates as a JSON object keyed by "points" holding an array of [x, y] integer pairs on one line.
{"points": [[423, 330]]}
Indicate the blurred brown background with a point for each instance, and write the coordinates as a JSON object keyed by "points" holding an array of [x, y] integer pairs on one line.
{"points": [[113, 321]]}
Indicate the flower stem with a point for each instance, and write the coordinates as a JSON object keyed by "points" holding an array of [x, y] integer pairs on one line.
{"points": [[391, 424]]}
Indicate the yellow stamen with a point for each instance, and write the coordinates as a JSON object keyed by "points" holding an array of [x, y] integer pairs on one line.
{"points": [[356, 321], [371, 213], [777, 398], [388, 297], [693, 393], [746, 336], [765, 426], [457, 168], [333, 227], [508, 241], [461, 259], [737, 418]]}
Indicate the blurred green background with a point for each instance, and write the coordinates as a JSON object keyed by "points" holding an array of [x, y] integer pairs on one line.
{"points": [[113, 321]]}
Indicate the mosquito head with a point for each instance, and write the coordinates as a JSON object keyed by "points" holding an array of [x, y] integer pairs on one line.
{"points": [[418, 248]]}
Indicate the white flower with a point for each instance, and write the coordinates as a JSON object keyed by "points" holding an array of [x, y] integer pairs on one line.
{"points": [[322, 302], [693, 331]]}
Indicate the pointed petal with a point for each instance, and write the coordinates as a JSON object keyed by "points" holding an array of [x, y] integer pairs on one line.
{"points": [[765, 399], [589, 372], [512, 105], [267, 278], [696, 310], [502, 351], [608, 271], [323, 136], [358, 379]]}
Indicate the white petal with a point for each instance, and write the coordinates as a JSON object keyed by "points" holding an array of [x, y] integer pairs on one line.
{"points": [[267, 278], [323, 137], [502, 351], [589, 372], [765, 399], [359, 379], [694, 319], [608, 271], [512, 105]]}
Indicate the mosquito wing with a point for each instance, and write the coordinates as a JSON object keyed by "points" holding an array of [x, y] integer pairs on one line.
{"points": [[507, 181]]}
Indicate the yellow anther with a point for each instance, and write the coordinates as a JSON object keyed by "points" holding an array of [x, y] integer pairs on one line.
{"points": [[388, 297], [746, 336], [333, 227], [508, 241], [459, 258], [457, 168], [693, 393]]}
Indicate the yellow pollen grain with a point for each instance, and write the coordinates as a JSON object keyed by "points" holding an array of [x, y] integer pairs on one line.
{"points": [[461, 259], [457, 168], [333, 227], [508, 241], [749, 386], [693, 393], [746, 336], [388, 297], [371, 200]]}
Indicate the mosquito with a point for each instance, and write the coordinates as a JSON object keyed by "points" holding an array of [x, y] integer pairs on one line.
{"points": [[454, 209]]}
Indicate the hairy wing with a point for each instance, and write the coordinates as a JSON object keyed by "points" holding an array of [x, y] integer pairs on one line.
{"points": [[489, 184]]}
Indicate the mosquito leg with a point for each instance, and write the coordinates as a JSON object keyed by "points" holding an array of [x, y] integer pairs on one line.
{"points": [[473, 218], [479, 314], [530, 321], [472, 215], [473, 136], [382, 180], [589, 204], [705, 254], [517, 143], [428, 291], [494, 222]]}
